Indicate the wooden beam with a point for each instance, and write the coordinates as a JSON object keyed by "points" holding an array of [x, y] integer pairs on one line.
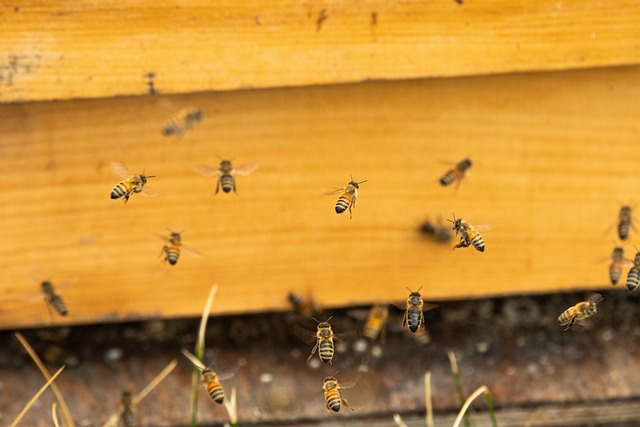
{"points": [[555, 156], [83, 49]]}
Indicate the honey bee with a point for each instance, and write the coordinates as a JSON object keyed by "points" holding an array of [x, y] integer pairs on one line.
{"points": [[127, 415], [376, 321], [209, 378], [173, 247], [468, 234], [226, 174], [625, 222], [184, 120], [436, 231], [618, 261], [579, 312], [305, 308], [333, 394], [53, 299], [347, 199], [413, 316], [456, 174], [130, 183], [633, 276], [324, 342]]}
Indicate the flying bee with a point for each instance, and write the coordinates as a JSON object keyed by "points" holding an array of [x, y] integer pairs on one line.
{"points": [[130, 183], [226, 174], [304, 307], [456, 174], [324, 342], [347, 199], [376, 321], [333, 394], [184, 120], [53, 299], [468, 234], [127, 414], [618, 261], [173, 247], [413, 316], [436, 231], [625, 222], [579, 312], [633, 276], [209, 378]]}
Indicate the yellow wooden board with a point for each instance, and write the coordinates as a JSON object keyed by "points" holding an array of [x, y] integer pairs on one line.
{"points": [[77, 49], [555, 155]]}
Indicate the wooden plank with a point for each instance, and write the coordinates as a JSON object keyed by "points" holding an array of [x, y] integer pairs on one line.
{"points": [[554, 154], [84, 49]]}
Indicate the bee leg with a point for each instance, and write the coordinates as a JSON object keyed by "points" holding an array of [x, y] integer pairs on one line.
{"points": [[346, 403], [312, 352], [234, 187], [404, 320]]}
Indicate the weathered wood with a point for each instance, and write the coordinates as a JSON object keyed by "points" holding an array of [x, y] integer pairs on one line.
{"points": [[555, 157], [79, 49]]}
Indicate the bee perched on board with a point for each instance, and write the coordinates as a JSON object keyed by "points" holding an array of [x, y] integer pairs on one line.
{"points": [[436, 231], [348, 196], [182, 121], [209, 378], [52, 298], [579, 312], [226, 174], [333, 394], [633, 276], [455, 174], [618, 262], [468, 234], [173, 247], [130, 184]]}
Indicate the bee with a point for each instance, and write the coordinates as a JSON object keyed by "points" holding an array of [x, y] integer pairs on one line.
{"points": [[324, 342], [305, 308], [579, 312], [376, 321], [333, 394], [347, 199], [184, 120], [173, 246], [53, 299], [618, 261], [468, 234], [436, 231], [456, 174], [413, 316], [625, 222], [633, 276], [209, 378], [130, 183], [127, 415], [226, 174]]}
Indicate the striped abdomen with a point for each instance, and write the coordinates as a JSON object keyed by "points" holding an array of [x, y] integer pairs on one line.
{"points": [[128, 419], [478, 242], [334, 399], [123, 188], [624, 222], [171, 253], [448, 178], [58, 304], [633, 277], [344, 202], [227, 182], [615, 271], [414, 318], [325, 350]]}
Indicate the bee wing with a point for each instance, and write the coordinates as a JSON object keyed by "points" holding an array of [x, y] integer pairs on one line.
{"points": [[484, 227], [335, 191], [344, 386], [429, 306], [226, 376], [305, 335], [595, 297], [191, 251], [206, 170], [148, 192], [245, 170], [120, 170]]}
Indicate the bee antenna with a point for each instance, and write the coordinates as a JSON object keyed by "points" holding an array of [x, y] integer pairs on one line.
{"points": [[350, 176], [419, 288], [409, 289]]}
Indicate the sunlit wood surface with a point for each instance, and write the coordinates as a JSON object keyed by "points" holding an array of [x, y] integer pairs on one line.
{"points": [[556, 154]]}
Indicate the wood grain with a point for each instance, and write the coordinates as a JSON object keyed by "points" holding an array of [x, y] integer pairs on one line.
{"points": [[83, 49], [555, 156]]}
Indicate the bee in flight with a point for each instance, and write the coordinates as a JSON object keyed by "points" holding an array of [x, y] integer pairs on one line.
{"points": [[625, 222], [304, 307], [173, 247], [226, 174], [436, 231], [53, 299], [127, 414], [333, 394], [633, 276], [579, 312], [130, 183], [468, 234], [324, 342], [347, 199], [456, 174], [413, 315], [209, 378], [184, 120], [618, 261], [376, 321]]}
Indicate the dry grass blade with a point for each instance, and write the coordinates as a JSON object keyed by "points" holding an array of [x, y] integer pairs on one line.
{"points": [[34, 398], [54, 414], [68, 420], [427, 399], [474, 395], [231, 406], [399, 421], [196, 362]]}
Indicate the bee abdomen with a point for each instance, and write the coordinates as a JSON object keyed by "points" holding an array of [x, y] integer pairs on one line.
{"points": [[633, 277], [171, 255], [119, 190], [59, 305], [216, 392], [129, 419], [447, 178], [342, 204], [227, 183], [478, 242], [333, 401], [325, 351], [614, 274], [414, 320]]}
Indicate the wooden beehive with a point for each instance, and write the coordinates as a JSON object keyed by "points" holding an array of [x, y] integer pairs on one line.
{"points": [[554, 152]]}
